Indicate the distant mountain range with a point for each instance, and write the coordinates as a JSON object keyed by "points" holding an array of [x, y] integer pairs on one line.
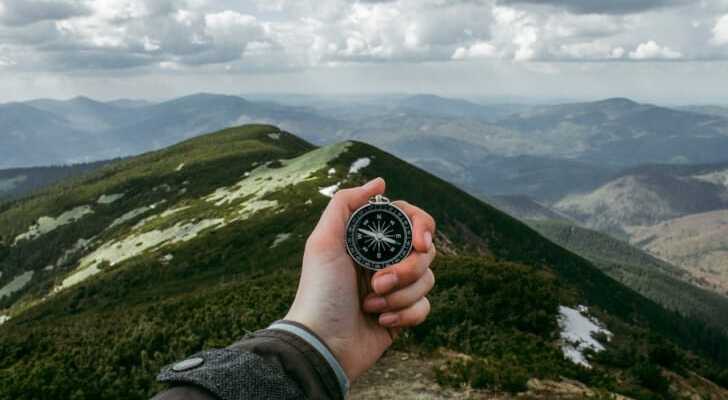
{"points": [[107, 277], [545, 152], [52, 132], [648, 195]]}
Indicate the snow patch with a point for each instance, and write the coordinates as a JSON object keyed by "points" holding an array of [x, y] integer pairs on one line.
{"points": [[280, 238], [16, 284], [359, 164], [81, 244], [717, 177], [264, 180], [274, 136], [115, 252], [109, 198], [252, 207], [577, 332], [179, 167], [329, 191], [48, 224], [132, 214]]}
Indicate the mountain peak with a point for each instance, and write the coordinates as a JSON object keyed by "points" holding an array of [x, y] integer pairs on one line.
{"points": [[617, 102]]}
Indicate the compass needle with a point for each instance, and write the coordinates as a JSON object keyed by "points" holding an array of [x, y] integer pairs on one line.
{"points": [[378, 234]]}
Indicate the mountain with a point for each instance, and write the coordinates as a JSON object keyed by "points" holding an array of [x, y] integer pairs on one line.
{"points": [[31, 136], [455, 108], [622, 132], [108, 277], [664, 283], [129, 103], [525, 208], [648, 195], [718, 111], [698, 243], [543, 151], [57, 132], [85, 114], [19, 182]]}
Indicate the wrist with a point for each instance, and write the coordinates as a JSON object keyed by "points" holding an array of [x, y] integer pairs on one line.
{"points": [[319, 344]]}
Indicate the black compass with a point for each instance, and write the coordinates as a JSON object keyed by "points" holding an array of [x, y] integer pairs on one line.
{"points": [[378, 234]]}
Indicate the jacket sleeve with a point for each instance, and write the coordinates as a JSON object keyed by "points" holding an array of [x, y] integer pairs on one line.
{"points": [[284, 361]]}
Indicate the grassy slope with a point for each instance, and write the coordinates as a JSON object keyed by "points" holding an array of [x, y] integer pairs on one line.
{"points": [[107, 337], [638, 270]]}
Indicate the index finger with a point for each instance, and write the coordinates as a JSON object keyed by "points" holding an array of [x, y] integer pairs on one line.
{"points": [[422, 225]]}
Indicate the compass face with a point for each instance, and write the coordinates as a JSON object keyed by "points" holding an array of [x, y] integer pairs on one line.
{"points": [[378, 235]]}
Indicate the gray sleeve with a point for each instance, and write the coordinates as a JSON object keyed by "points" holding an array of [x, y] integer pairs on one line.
{"points": [[286, 361], [232, 375]]}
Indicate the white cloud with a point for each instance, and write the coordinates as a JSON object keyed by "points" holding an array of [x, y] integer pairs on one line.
{"points": [[478, 50], [720, 31], [595, 50], [652, 51], [232, 26], [275, 35]]}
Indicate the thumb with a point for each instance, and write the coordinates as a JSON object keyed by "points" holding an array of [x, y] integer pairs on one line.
{"points": [[343, 204]]}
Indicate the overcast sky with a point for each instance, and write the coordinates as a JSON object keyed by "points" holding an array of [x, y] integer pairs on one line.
{"points": [[670, 51]]}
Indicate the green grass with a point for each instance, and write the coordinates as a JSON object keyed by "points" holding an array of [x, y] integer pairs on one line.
{"points": [[496, 298]]}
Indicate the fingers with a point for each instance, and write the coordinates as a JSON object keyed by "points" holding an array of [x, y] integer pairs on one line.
{"points": [[410, 316], [423, 225], [402, 298], [404, 273]]}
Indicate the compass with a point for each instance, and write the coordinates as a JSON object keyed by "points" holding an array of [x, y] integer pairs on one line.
{"points": [[378, 234]]}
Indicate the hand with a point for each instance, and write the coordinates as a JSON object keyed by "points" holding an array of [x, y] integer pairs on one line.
{"points": [[328, 300]]}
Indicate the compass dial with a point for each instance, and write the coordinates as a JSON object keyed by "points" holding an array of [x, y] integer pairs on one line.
{"points": [[378, 235]]}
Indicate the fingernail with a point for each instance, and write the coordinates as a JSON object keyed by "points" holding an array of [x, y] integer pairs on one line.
{"points": [[428, 239], [370, 185], [389, 319], [385, 283], [375, 303]]}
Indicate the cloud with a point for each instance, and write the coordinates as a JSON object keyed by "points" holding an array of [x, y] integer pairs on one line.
{"points": [[596, 50], [652, 51], [25, 12], [275, 35], [599, 6], [478, 50], [720, 31]]}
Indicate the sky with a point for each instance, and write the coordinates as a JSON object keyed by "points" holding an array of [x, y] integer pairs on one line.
{"points": [[665, 51]]}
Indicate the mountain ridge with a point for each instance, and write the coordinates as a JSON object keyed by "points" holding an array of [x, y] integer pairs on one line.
{"points": [[498, 278]]}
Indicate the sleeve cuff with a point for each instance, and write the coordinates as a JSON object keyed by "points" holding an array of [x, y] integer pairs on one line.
{"points": [[317, 343]]}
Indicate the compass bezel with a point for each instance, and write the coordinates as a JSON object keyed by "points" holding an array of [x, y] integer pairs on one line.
{"points": [[355, 221]]}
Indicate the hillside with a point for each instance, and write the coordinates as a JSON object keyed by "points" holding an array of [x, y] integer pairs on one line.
{"points": [[649, 195], [148, 259], [525, 208], [698, 243], [19, 182], [664, 283]]}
